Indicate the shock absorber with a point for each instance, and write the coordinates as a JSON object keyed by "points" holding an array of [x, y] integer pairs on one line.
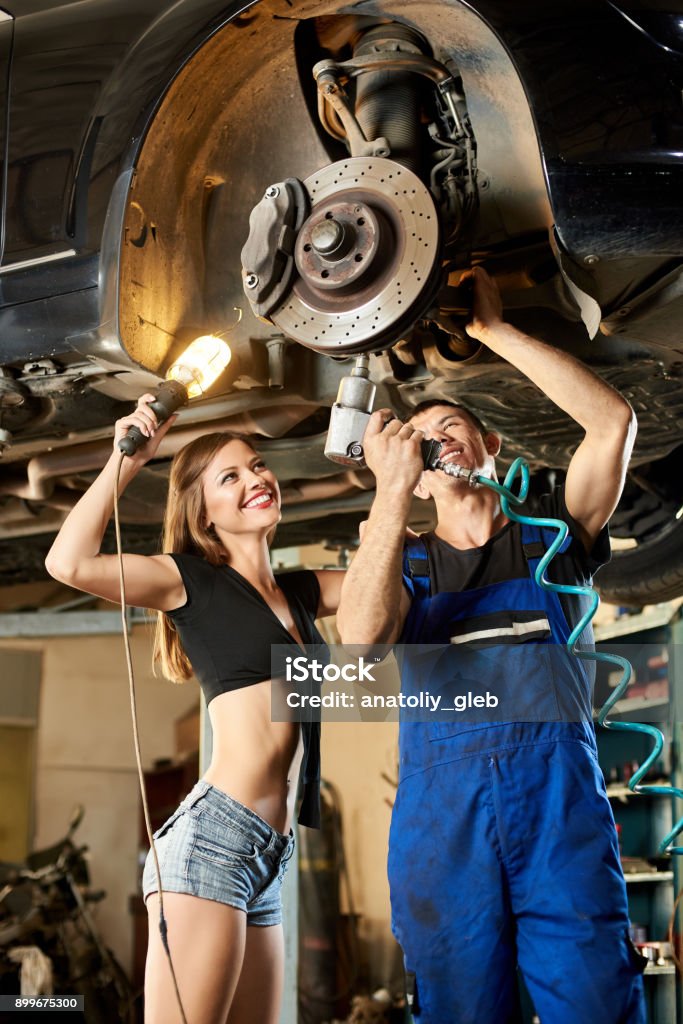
{"points": [[388, 102]]}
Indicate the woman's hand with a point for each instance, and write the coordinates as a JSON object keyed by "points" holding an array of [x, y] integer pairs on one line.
{"points": [[145, 420]]}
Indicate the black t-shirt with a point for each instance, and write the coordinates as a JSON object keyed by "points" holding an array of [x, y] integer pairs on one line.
{"points": [[501, 558], [227, 629]]}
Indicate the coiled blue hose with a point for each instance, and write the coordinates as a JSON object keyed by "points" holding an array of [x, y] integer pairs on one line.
{"points": [[508, 498]]}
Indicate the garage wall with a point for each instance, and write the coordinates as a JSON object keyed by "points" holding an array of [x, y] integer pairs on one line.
{"points": [[85, 754], [20, 675], [354, 758]]}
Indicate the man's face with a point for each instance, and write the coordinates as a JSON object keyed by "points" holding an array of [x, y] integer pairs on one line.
{"points": [[462, 443]]}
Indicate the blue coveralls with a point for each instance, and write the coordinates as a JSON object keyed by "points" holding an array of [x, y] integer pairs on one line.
{"points": [[503, 849]]}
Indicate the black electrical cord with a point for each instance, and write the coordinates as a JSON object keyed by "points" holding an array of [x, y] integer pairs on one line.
{"points": [[163, 929], [671, 934], [5, 163]]}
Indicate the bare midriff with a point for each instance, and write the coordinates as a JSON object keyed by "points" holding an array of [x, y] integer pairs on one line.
{"points": [[255, 760]]}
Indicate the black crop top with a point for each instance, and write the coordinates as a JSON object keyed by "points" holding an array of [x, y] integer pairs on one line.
{"points": [[226, 629]]}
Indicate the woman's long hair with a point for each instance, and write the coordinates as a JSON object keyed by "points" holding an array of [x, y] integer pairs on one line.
{"points": [[185, 532]]}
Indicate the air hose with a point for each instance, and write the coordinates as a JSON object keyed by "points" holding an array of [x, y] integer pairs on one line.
{"points": [[509, 498]]}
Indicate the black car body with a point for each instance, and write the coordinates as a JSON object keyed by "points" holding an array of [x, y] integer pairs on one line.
{"points": [[138, 137]]}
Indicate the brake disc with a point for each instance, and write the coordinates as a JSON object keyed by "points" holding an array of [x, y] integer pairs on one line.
{"points": [[366, 257]]}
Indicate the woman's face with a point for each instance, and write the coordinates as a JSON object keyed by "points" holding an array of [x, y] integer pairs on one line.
{"points": [[241, 495]]}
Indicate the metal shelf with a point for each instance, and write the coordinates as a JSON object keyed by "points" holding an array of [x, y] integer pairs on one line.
{"points": [[637, 704], [659, 969], [649, 876], [620, 791], [659, 616]]}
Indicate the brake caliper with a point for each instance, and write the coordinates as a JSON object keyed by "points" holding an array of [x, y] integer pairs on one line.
{"points": [[268, 254]]}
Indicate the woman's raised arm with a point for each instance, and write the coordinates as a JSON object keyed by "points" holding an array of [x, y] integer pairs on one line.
{"points": [[152, 581]]}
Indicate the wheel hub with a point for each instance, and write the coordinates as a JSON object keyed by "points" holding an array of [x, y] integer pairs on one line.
{"points": [[338, 245]]}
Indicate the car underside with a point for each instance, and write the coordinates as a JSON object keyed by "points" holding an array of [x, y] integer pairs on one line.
{"points": [[310, 181]]}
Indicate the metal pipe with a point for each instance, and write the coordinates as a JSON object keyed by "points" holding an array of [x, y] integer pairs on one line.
{"points": [[320, 509], [296, 493], [41, 471]]}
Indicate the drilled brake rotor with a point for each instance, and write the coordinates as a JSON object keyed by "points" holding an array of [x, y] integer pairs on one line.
{"points": [[365, 257]]}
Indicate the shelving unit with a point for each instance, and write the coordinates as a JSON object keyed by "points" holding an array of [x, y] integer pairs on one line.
{"points": [[649, 642]]}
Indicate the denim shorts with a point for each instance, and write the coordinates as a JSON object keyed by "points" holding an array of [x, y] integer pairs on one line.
{"points": [[218, 849]]}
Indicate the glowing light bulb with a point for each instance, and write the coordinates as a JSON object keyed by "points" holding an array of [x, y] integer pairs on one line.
{"points": [[202, 363]]}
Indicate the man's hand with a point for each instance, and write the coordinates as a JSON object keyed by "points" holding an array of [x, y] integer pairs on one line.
{"points": [[374, 603], [393, 453], [487, 307]]}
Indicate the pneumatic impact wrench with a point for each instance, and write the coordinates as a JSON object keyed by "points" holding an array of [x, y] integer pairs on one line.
{"points": [[349, 419]]}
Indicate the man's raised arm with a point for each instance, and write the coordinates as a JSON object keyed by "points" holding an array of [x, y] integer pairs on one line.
{"points": [[374, 603], [595, 478]]}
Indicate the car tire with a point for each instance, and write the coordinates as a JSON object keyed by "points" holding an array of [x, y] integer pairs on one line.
{"points": [[646, 574]]}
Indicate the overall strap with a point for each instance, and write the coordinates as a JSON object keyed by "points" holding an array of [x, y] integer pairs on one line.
{"points": [[535, 542], [416, 568]]}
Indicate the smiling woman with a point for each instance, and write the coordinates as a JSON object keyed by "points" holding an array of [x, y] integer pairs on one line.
{"points": [[222, 854]]}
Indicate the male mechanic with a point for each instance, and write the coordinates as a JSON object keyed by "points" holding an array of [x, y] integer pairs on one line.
{"points": [[503, 850]]}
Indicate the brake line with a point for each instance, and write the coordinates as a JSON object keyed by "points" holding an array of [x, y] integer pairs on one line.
{"points": [[163, 928]]}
